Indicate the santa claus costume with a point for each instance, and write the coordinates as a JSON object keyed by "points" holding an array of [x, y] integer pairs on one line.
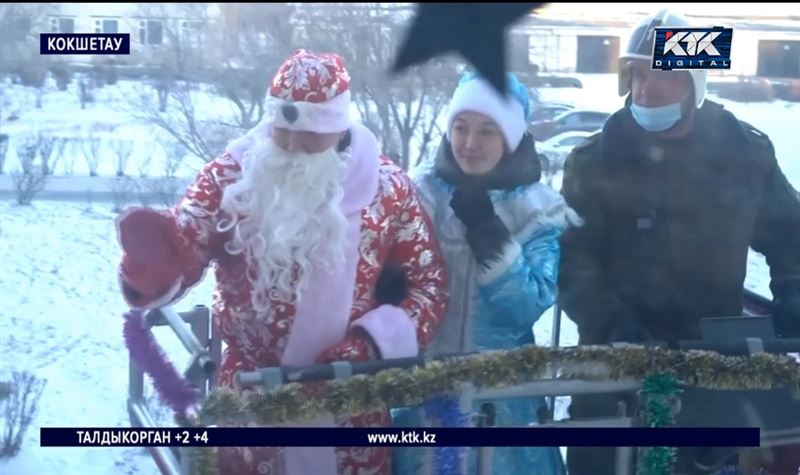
{"points": [[298, 242]]}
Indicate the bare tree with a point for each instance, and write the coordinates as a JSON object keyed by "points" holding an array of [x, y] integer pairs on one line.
{"points": [[90, 147], [21, 403], [402, 111], [122, 150], [30, 180], [203, 139], [143, 164], [258, 37], [59, 152]]}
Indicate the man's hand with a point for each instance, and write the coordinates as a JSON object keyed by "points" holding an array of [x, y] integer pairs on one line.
{"points": [[356, 347]]}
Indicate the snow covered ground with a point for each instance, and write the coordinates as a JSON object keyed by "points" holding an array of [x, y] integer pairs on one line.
{"points": [[60, 315], [61, 320]]}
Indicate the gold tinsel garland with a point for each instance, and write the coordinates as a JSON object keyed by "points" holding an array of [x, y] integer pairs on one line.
{"points": [[409, 387]]}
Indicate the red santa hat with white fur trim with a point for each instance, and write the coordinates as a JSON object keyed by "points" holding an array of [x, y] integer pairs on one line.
{"points": [[311, 93]]}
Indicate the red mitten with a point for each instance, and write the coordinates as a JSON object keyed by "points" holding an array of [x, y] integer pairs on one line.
{"points": [[154, 259], [356, 347]]}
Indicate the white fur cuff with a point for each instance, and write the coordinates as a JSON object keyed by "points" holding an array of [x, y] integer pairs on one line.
{"points": [[392, 330]]}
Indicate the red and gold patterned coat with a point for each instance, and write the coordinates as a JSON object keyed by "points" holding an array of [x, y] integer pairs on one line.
{"points": [[395, 230]]}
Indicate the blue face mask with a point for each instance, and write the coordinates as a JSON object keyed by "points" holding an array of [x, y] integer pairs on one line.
{"points": [[657, 119]]}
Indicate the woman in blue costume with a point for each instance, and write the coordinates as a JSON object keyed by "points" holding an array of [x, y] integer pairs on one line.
{"points": [[499, 229]]}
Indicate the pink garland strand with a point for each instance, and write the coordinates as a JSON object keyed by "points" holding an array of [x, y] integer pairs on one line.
{"points": [[178, 393]]}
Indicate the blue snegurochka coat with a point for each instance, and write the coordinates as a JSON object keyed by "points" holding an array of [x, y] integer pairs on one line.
{"points": [[496, 308]]}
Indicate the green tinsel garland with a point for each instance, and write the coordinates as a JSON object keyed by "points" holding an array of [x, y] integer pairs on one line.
{"points": [[660, 391]]}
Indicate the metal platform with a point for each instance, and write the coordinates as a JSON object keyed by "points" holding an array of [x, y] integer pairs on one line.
{"points": [[765, 409]]}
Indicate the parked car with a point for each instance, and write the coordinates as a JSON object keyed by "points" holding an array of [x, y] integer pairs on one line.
{"points": [[581, 120], [549, 110], [554, 151]]}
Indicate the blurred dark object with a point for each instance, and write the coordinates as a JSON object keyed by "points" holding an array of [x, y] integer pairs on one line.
{"points": [[556, 81], [474, 30], [62, 74], [549, 110], [531, 77], [786, 89], [742, 89]]}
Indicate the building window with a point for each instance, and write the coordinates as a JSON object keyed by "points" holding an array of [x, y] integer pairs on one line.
{"points": [[151, 32], [62, 25], [105, 26], [192, 32]]}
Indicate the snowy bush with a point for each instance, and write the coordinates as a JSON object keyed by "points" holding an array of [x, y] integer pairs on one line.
{"points": [[122, 150], [68, 153], [174, 152], [163, 190], [3, 150], [59, 152], [46, 147], [20, 398], [143, 165], [90, 147], [122, 188], [30, 180], [142, 193]]}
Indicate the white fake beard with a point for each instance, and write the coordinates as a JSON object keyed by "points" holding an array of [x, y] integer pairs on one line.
{"points": [[286, 216]]}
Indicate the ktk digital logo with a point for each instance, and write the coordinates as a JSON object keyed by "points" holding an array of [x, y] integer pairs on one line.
{"points": [[692, 48], [85, 43]]}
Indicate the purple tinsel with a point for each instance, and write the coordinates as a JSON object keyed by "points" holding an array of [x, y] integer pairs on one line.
{"points": [[178, 393], [447, 411]]}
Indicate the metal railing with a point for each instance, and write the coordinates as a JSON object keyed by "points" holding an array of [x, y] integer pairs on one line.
{"points": [[197, 335], [205, 350]]}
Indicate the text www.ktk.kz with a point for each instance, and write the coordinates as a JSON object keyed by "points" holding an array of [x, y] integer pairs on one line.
{"points": [[404, 437]]}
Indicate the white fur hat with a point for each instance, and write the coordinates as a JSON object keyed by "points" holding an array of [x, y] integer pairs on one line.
{"points": [[475, 94]]}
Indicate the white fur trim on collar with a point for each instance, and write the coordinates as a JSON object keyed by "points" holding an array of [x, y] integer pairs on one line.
{"points": [[511, 252], [478, 96], [551, 211]]}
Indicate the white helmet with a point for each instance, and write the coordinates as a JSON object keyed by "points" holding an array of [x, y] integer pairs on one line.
{"points": [[640, 46]]}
